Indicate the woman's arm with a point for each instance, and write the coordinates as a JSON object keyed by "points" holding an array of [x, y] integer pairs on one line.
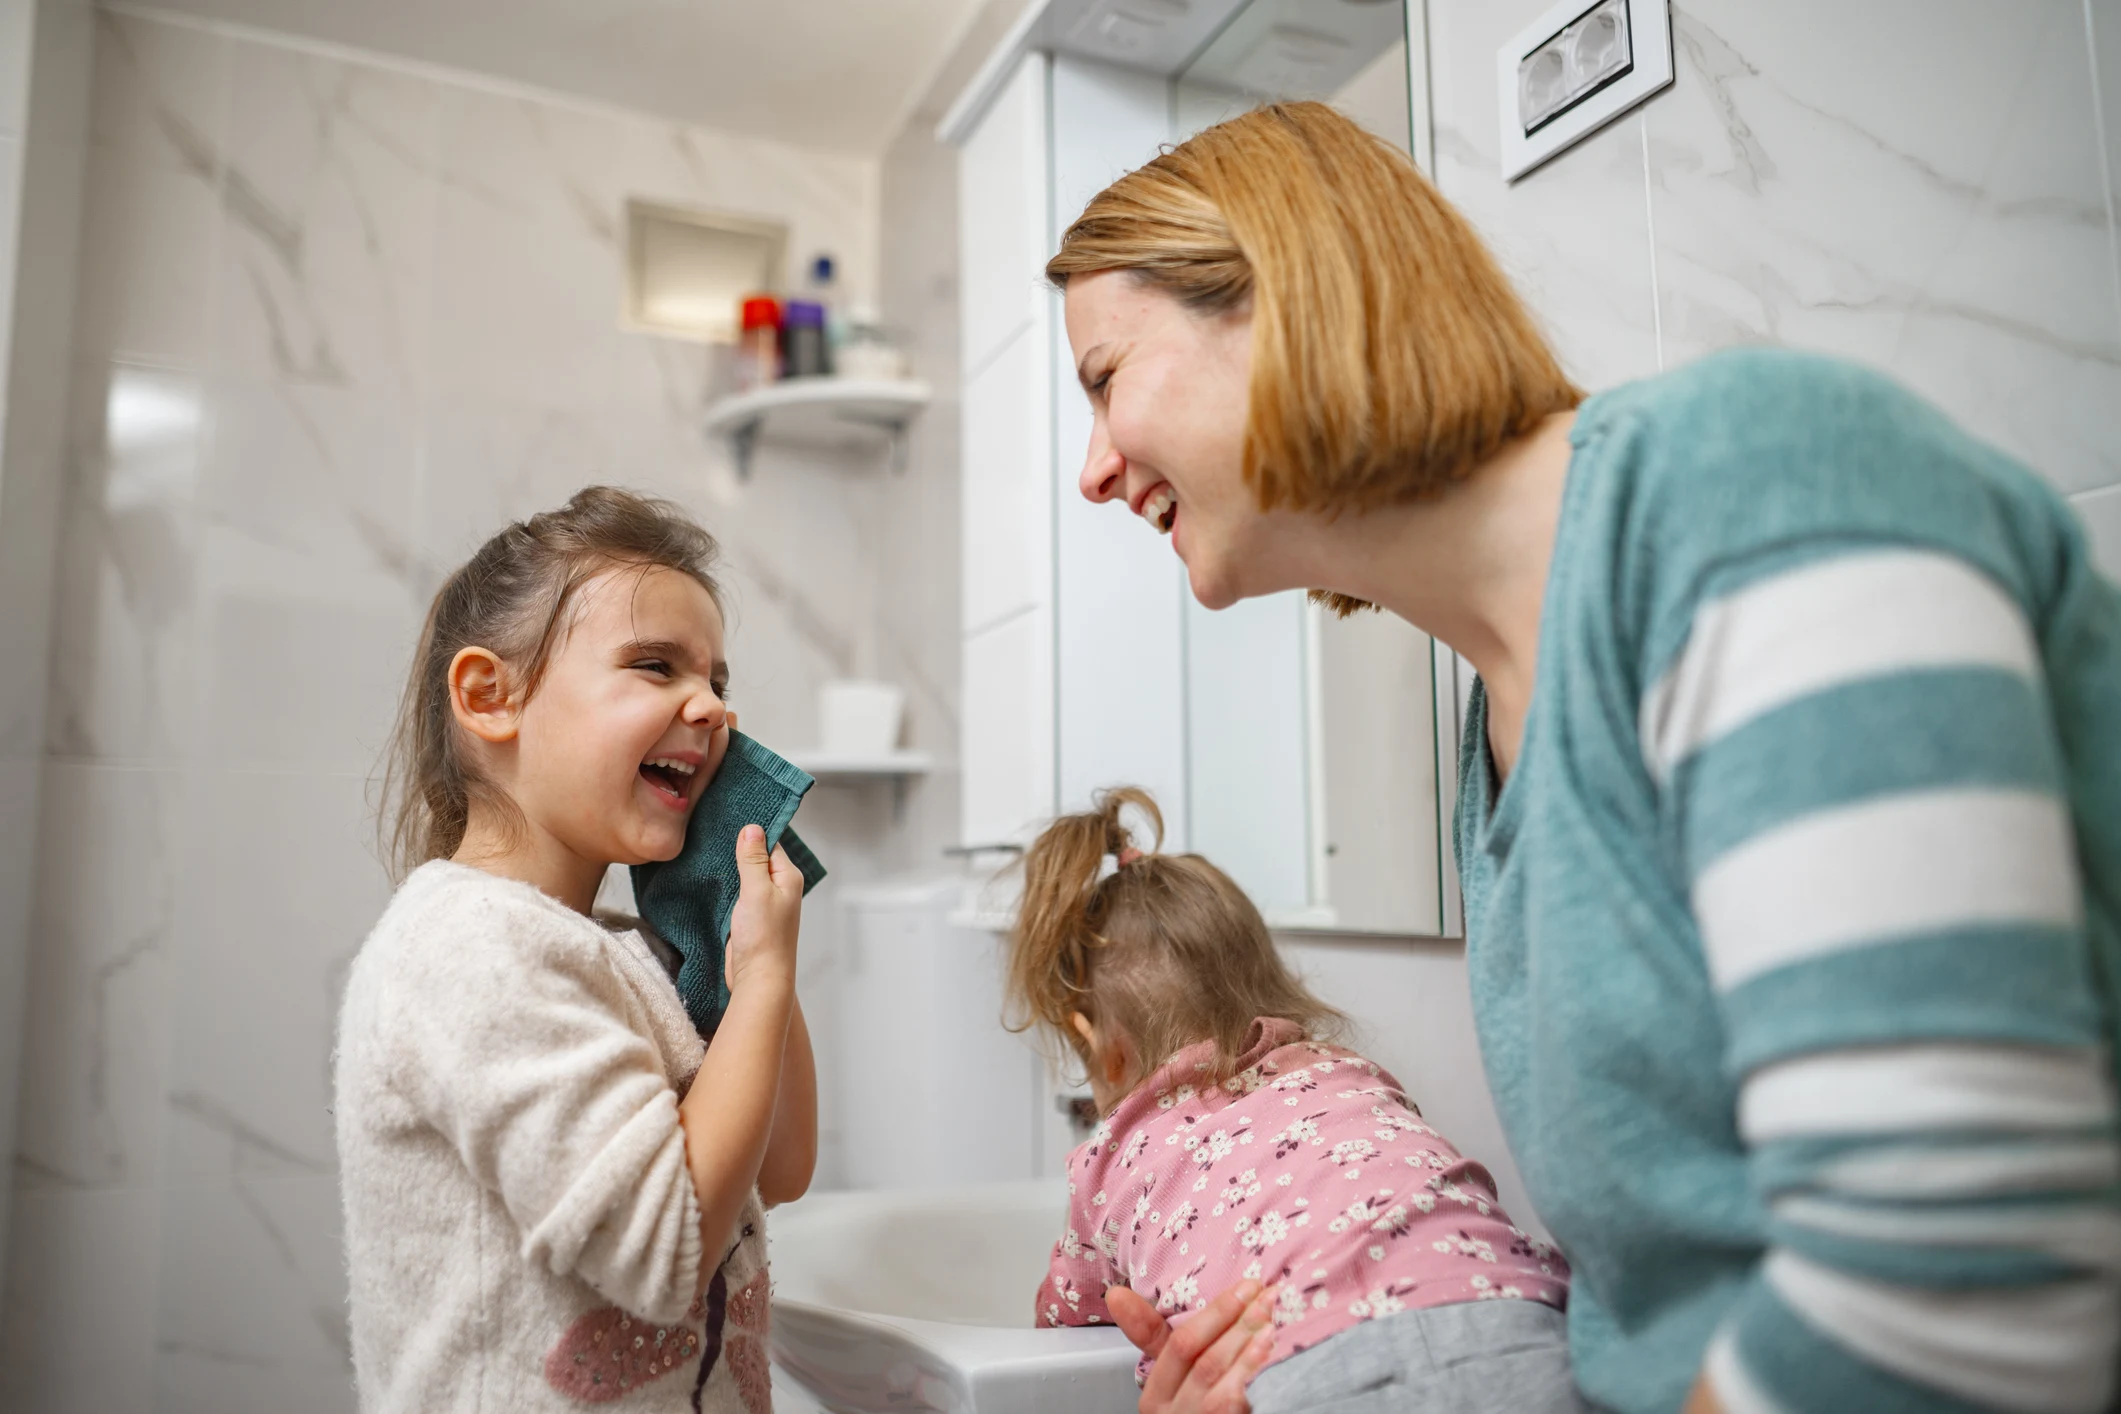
{"points": [[791, 1150], [1203, 1365], [728, 1113], [1860, 780]]}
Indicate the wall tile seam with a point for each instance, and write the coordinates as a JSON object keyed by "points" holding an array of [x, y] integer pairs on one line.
{"points": [[2091, 494], [1649, 221], [2106, 155]]}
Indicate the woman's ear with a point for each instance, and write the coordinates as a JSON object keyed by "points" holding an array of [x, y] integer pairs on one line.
{"points": [[478, 695]]}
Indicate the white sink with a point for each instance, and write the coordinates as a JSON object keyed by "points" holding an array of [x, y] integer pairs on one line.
{"points": [[919, 1301]]}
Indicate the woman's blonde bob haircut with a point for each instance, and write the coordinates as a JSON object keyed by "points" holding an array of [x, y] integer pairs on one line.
{"points": [[1389, 355]]}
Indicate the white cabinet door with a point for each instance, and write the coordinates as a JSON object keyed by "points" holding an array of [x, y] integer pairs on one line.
{"points": [[1006, 741], [1002, 217], [1120, 592], [1006, 530]]}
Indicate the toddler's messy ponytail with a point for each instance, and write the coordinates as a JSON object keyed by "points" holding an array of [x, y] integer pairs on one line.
{"points": [[1160, 951]]}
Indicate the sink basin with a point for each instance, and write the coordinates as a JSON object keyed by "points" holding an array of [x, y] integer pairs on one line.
{"points": [[919, 1301]]}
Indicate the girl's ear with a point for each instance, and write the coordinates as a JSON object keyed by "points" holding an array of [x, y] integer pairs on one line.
{"points": [[478, 695], [1108, 1056]]}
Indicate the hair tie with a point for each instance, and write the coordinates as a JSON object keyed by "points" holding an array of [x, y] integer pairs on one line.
{"points": [[1112, 863]]}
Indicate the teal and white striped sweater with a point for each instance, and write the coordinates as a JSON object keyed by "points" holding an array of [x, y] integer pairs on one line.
{"points": [[1794, 934]]}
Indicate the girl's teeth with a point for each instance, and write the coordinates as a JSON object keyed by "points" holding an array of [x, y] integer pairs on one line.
{"points": [[1158, 507]]}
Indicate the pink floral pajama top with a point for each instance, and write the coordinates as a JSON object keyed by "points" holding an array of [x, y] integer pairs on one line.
{"points": [[1309, 1168]]}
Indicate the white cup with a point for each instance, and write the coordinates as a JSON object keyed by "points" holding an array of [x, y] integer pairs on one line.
{"points": [[859, 718]]}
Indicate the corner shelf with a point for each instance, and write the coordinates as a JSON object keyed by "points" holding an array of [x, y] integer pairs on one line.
{"points": [[830, 414], [896, 767]]}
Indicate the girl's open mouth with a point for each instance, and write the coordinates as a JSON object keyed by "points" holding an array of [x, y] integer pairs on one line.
{"points": [[669, 777]]}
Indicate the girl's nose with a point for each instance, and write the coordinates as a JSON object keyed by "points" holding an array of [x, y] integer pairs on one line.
{"points": [[706, 708], [1104, 471]]}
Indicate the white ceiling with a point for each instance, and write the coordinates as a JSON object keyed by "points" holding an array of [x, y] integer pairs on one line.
{"points": [[841, 75]]}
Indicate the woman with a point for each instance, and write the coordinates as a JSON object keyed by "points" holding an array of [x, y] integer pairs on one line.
{"points": [[1790, 801]]}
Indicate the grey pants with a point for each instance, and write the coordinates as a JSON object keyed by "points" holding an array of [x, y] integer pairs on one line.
{"points": [[1479, 1357]]}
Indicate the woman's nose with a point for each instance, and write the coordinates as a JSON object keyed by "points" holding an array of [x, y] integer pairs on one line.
{"points": [[1104, 470]]}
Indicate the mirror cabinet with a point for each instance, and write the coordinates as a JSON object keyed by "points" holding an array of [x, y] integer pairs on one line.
{"points": [[1311, 757]]}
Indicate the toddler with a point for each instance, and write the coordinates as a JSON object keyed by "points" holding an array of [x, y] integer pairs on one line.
{"points": [[553, 1186], [1237, 1142]]}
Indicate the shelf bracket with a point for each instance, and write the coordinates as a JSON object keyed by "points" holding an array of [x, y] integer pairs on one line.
{"points": [[743, 442]]}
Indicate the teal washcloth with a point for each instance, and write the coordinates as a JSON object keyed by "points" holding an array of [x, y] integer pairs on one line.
{"points": [[687, 900]]}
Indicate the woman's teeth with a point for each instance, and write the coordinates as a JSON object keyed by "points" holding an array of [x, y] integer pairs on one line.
{"points": [[1160, 509]]}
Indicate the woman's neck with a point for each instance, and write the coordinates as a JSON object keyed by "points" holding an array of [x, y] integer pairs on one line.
{"points": [[518, 849], [1469, 566]]}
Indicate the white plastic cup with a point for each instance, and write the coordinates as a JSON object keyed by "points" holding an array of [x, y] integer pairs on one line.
{"points": [[859, 718]]}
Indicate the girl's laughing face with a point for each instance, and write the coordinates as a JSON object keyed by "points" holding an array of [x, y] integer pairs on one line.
{"points": [[630, 721]]}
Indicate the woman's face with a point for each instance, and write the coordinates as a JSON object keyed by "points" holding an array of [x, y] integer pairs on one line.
{"points": [[1169, 392]]}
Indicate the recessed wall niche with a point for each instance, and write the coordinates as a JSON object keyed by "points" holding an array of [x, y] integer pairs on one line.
{"points": [[686, 270]]}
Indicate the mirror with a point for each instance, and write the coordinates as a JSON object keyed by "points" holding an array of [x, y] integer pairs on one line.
{"points": [[1334, 825]]}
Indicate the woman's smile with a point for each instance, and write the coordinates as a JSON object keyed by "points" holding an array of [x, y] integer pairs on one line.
{"points": [[1159, 507]]}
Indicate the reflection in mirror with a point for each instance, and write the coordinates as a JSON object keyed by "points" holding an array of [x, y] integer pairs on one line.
{"points": [[1311, 740]]}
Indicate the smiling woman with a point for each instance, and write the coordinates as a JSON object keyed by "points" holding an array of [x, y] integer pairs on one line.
{"points": [[1789, 810], [1356, 383]]}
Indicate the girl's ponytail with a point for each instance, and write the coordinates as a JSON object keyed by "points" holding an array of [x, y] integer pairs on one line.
{"points": [[1056, 924], [1159, 951]]}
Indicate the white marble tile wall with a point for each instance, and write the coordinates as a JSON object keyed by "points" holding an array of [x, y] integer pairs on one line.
{"points": [[44, 60], [337, 323], [1929, 189]]}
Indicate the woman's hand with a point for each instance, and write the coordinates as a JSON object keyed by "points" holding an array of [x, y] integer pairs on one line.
{"points": [[1202, 1366], [768, 914]]}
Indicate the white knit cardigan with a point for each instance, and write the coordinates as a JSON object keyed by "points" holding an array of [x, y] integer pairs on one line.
{"points": [[521, 1229]]}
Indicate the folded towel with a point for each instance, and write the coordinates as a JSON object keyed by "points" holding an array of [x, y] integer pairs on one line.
{"points": [[687, 900]]}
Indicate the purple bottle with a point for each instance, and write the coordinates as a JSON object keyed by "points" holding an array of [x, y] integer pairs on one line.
{"points": [[804, 350]]}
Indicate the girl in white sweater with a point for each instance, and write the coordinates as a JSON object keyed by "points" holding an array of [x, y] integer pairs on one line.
{"points": [[553, 1186]]}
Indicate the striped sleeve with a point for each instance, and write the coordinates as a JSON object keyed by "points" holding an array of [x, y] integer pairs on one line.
{"points": [[1860, 779]]}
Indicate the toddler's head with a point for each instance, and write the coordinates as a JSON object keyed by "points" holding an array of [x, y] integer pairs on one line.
{"points": [[568, 695], [1131, 957]]}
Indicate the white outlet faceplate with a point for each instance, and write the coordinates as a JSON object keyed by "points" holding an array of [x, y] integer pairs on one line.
{"points": [[1576, 68]]}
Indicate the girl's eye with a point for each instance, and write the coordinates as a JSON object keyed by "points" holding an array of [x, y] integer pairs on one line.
{"points": [[1098, 384], [654, 665], [721, 690]]}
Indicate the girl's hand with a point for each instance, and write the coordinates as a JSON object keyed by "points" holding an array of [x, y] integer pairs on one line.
{"points": [[1203, 1366], [769, 910]]}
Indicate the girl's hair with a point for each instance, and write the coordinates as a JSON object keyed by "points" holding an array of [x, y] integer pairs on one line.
{"points": [[1163, 951], [512, 597], [1389, 354]]}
